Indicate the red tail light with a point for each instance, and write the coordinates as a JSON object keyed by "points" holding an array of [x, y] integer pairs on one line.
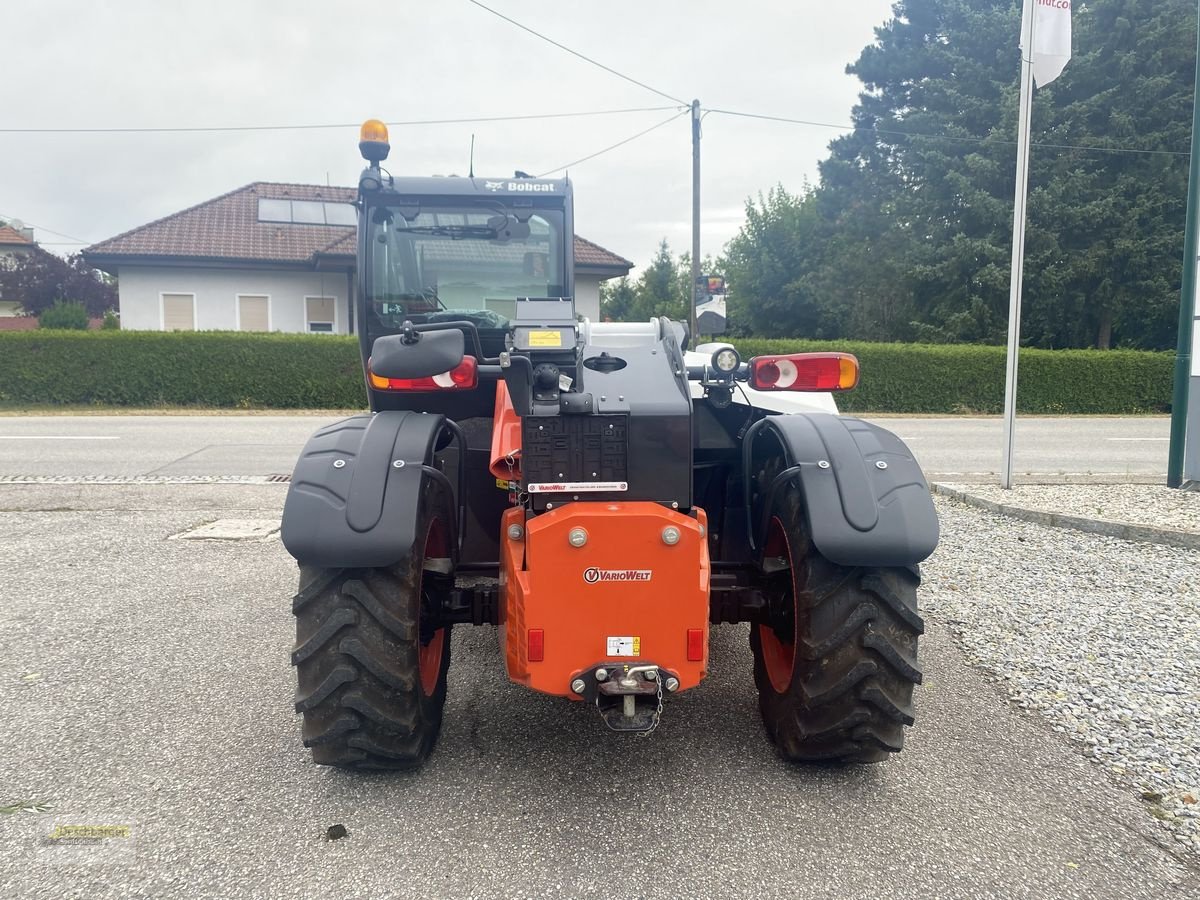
{"points": [[464, 376], [804, 372]]}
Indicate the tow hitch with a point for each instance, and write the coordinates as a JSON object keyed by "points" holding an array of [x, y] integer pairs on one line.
{"points": [[628, 698]]}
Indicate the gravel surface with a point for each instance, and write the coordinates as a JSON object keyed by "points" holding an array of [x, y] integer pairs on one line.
{"points": [[1135, 504], [1096, 634]]}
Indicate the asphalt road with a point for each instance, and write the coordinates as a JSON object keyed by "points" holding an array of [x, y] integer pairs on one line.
{"points": [[267, 445], [145, 682]]}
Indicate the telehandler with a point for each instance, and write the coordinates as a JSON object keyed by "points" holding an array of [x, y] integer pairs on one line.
{"points": [[598, 492]]}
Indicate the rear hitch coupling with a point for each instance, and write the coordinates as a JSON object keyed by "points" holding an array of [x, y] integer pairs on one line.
{"points": [[628, 698]]}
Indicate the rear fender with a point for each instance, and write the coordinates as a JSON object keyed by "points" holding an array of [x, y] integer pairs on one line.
{"points": [[356, 489], [865, 498]]}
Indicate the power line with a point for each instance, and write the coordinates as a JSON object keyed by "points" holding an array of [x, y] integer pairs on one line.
{"points": [[939, 137], [632, 137], [612, 71], [746, 115], [1105, 149], [414, 122], [10, 219]]}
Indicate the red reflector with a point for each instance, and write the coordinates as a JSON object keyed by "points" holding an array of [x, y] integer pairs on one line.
{"points": [[537, 645], [695, 644], [804, 372], [463, 376]]}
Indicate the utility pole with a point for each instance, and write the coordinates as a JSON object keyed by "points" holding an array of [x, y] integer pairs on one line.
{"points": [[692, 294]]}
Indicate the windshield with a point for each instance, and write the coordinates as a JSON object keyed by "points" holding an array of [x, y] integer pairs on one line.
{"points": [[466, 262]]}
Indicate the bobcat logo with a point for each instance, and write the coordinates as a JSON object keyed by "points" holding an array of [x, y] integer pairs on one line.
{"points": [[523, 187]]}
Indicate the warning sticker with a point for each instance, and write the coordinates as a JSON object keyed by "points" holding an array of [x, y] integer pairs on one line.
{"points": [[624, 646], [547, 338]]}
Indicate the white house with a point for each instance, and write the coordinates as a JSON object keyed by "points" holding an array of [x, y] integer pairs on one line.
{"points": [[267, 257]]}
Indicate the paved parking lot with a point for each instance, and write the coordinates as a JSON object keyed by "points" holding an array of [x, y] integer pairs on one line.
{"points": [[145, 682]]}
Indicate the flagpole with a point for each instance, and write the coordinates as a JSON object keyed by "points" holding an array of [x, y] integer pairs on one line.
{"points": [[1018, 244], [1177, 469]]}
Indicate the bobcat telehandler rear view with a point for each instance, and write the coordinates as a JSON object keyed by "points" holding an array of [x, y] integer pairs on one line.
{"points": [[597, 493]]}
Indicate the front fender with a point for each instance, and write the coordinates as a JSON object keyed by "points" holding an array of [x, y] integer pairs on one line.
{"points": [[355, 491], [866, 500]]}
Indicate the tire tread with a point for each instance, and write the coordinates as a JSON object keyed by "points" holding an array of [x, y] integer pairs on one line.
{"points": [[856, 665], [357, 658]]}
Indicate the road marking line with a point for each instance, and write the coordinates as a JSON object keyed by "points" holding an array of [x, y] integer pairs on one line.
{"points": [[59, 437], [1134, 440]]}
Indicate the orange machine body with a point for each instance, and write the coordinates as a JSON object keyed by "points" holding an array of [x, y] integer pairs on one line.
{"points": [[624, 597], [506, 437]]}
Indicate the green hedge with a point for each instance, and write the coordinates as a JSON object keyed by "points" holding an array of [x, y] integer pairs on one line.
{"points": [[205, 369], [295, 371], [967, 378]]}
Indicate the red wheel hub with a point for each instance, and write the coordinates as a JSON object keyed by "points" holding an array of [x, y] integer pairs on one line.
{"points": [[779, 657], [429, 657]]}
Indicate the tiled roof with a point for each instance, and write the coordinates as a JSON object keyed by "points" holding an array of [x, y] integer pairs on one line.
{"points": [[10, 235], [590, 254], [346, 245], [227, 228]]}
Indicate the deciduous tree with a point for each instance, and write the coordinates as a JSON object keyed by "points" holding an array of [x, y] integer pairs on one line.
{"points": [[908, 233], [38, 279]]}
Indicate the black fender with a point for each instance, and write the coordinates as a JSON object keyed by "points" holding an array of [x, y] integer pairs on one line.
{"points": [[353, 500], [866, 499]]}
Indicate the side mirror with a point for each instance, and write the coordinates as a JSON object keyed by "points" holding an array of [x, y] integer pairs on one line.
{"points": [[434, 353], [680, 330]]}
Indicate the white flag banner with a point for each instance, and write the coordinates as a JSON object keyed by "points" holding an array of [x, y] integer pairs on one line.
{"points": [[1051, 39]]}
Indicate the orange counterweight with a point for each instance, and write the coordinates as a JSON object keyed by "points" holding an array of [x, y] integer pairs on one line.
{"points": [[635, 591]]}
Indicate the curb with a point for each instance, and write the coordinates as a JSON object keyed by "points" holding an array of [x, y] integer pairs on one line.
{"points": [[1168, 537]]}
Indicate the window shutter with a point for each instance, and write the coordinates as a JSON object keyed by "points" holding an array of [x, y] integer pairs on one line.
{"points": [[179, 312], [319, 310], [253, 313]]}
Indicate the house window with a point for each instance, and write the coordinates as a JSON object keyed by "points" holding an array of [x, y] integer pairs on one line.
{"points": [[179, 312], [321, 314], [254, 312]]}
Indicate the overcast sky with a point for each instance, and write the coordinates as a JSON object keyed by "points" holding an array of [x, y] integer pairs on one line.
{"points": [[169, 63]]}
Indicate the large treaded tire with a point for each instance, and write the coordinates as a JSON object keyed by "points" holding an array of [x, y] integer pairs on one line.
{"points": [[371, 681], [836, 667]]}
